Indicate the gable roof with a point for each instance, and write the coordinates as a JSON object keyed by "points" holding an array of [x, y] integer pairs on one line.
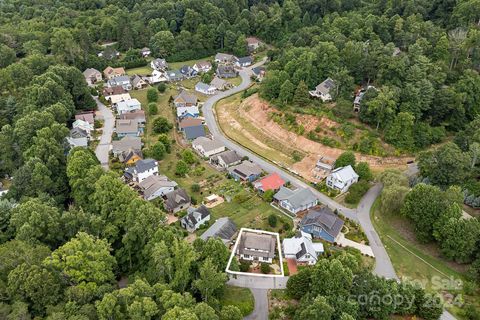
{"points": [[224, 56], [245, 169], [175, 74], [160, 63], [252, 40], [201, 86], [344, 174], [186, 97], [325, 218], [203, 64], [90, 72], [110, 91], [137, 80], [301, 244], [127, 143], [194, 132], [78, 133], [258, 70], [243, 60], [297, 198], [189, 122], [223, 228], [195, 215], [137, 115], [87, 117], [126, 126], [176, 198], [145, 165], [257, 241], [109, 70], [129, 154], [229, 156], [182, 111], [225, 69], [271, 182], [207, 144], [325, 86], [218, 83], [120, 79], [153, 183]]}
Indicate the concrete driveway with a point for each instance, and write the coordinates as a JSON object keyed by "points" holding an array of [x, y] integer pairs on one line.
{"points": [[103, 149], [260, 311]]}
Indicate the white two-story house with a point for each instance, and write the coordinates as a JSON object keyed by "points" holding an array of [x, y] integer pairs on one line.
{"points": [[142, 170], [342, 178]]}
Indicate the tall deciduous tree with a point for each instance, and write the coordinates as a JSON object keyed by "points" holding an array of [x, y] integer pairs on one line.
{"points": [[210, 280]]}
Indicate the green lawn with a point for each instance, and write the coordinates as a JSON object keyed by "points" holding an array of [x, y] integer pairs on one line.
{"points": [[413, 261], [239, 297], [248, 210], [178, 65], [141, 71], [235, 81]]}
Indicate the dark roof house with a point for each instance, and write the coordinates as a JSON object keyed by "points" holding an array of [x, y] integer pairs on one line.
{"points": [[176, 200], [223, 228], [322, 223]]}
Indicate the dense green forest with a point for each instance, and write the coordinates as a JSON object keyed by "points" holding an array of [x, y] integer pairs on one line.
{"points": [[71, 232]]}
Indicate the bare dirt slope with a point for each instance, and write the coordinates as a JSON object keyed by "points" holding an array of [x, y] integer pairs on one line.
{"points": [[256, 111]]}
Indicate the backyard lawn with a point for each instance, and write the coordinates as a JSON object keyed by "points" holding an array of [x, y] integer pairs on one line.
{"points": [[239, 297], [416, 262], [141, 71]]}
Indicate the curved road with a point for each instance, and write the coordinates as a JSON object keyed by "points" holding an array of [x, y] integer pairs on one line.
{"points": [[103, 149], [383, 266]]}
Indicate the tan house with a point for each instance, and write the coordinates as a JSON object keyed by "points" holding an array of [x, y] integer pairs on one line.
{"points": [[111, 73], [92, 76]]}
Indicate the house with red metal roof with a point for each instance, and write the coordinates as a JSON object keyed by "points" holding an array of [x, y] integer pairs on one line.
{"points": [[271, 182]]}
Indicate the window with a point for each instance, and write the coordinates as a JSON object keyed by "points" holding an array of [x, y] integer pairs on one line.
{"points": [[246, 256]]}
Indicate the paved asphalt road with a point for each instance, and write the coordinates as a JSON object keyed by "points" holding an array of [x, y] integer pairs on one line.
{"points": [[105, 143], [383, 265], [261, 305]]}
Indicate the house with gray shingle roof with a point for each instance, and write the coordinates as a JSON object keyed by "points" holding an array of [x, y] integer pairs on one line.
{"points": [[156, 186], [226, 71], [225, 58], [302, 249], [125, 144], [176, 200], [256, 246], [322, 223], [159, 64], [244, 61], [207, 147], [226, 159], [92, 76], [223, 228], [142, 170], [296, 200], [195, 218], [219, 84], [322, 91], [185, 99], [174, 75], [205, 88], [138, 82], [245, 171]]}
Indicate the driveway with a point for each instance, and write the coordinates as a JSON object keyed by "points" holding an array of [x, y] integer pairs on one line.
{"points": [[260, 311], [103, 149]]}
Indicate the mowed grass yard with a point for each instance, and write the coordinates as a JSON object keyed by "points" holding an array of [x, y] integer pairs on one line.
{"points": [[416, 262], [239, 297]]}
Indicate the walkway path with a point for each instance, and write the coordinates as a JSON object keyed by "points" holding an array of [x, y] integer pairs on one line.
{"points": [[260, 312], [383, 266], [104, 146]]}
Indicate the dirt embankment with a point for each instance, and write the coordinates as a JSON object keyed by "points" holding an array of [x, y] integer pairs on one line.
{"points": [[257, 112]]}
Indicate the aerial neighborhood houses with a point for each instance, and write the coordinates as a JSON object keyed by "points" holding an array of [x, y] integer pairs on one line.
{"points": [[246, 171], [195, 218], [205, 88], [219, 84], [322, 223], [111, 73], [342, 178], [302, 248], [156, 186], [202, 66], [324, 90], [253, 44], [226, 71], [207, 147], [295, 201]]}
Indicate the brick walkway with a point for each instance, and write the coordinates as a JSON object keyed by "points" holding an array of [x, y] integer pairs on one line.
{"points": [[292, 266]]}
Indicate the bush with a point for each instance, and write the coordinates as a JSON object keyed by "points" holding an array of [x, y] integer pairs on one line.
{"points": [[345, 159], [268, 195], [167, 142], [152, 108], [245, 266], [181, 169], [272, 220], [157, 151], [297, 156], [356, 192], [195, 187], [363, 171], [161, 125], [162, 87], [152, 95], [265, 268]]}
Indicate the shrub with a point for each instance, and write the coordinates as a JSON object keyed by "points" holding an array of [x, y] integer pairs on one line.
{"points": [[356, 192], [195, 187], [157, 151], [152, 95], [181, 169], [162, 87], [161, 125], [363, 171], [272, 220], [268, 195], [345, 159], [265, 268], [167, 142], [152, 108], [297, 156], [245, 266]]}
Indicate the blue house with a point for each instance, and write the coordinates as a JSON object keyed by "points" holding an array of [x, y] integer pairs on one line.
{"points": [[245, 171], [322, 223]]}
